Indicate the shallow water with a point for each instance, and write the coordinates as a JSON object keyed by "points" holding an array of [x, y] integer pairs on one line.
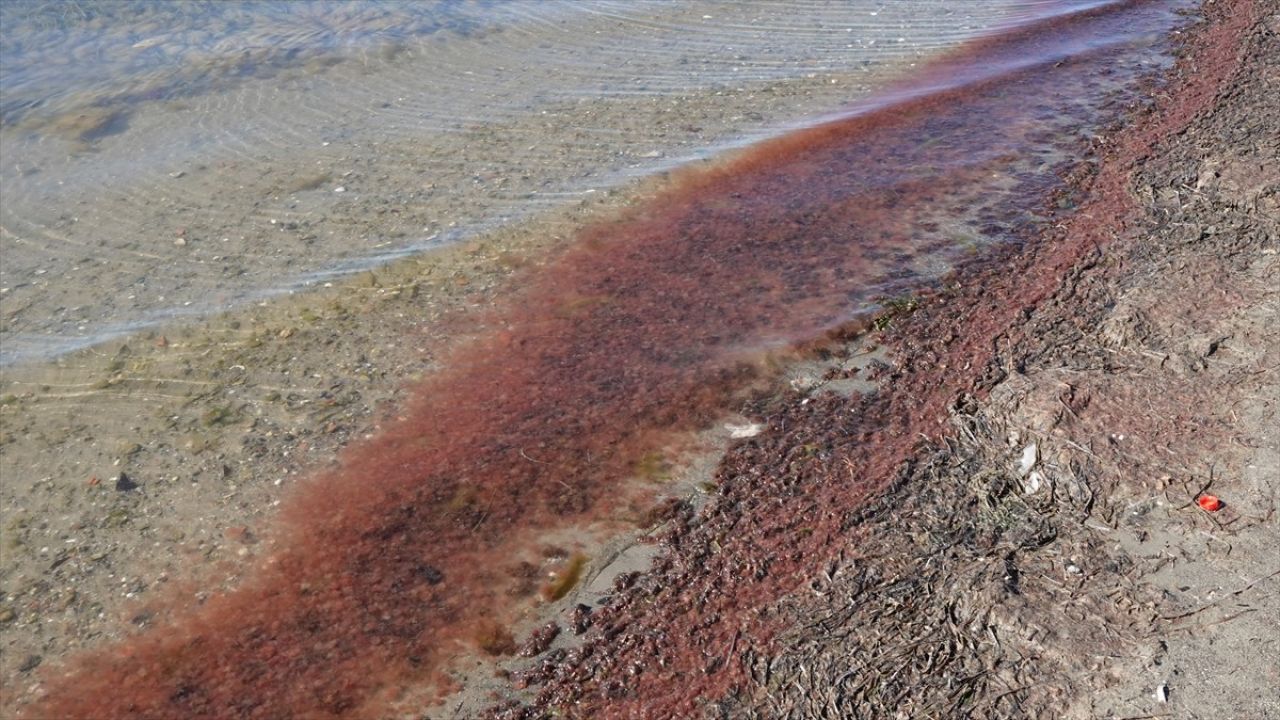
{"points": [[170, 159]]}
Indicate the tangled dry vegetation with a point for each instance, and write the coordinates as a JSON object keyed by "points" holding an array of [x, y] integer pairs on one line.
{"points": [[938, 608]]}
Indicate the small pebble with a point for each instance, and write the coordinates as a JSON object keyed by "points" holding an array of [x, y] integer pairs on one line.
{"points": [[125, 484]]}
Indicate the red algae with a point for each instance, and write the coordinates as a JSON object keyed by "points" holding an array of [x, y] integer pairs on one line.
{"points": [[779, 519], [650, 324]]}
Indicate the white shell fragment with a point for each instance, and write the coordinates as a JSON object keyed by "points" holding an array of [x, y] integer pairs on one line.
{"points": [[1030, 455], [744, 431]]}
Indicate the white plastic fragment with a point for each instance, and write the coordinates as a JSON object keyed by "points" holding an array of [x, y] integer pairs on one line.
{"points": [[1162, 693]]}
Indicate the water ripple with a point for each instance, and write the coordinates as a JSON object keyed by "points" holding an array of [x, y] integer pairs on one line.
{"points": [[163, 159]]}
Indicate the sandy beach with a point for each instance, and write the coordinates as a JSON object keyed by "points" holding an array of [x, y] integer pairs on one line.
{"points": [[988, 490]]}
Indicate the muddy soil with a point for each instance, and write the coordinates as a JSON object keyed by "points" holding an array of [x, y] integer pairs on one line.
{"points": [[140, 463]]}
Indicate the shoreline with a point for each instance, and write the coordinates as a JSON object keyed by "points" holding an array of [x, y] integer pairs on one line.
{"points": [[191, 204], [242, 545], [1037, 550]]}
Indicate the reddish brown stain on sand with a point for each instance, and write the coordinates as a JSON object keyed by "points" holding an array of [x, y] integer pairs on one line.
{"points": [[645, 327]]}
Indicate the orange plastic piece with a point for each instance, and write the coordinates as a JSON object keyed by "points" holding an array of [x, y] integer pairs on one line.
{"points": [[1209, 502]]}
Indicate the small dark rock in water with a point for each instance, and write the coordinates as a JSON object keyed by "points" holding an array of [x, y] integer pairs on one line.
{"points": [[124, 483], [580, 619], [540, 640], [31, 663]]}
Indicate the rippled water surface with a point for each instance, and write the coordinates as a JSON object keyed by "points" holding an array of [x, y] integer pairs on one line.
{"points": [[163, 159]]}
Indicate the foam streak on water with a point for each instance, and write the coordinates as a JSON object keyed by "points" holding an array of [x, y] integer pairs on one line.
{"points": [[172, 159]]}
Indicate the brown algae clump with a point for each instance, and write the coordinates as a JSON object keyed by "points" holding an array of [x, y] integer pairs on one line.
{"points": [[494, 638], [565, 579]]}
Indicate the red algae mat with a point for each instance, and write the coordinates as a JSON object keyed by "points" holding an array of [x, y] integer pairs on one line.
{"points": [[677, 642], [647, 326]]}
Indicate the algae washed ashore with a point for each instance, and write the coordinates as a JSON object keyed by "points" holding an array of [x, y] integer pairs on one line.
{"points": [[238, 399], [164, 160], [135, 137]]}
